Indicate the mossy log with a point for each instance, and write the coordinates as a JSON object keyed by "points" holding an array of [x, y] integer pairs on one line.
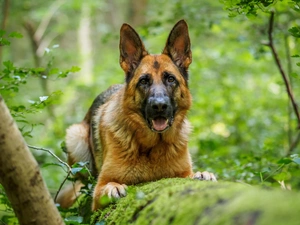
{"points": [[187, 201]]}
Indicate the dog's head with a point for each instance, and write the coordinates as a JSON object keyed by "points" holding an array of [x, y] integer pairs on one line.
{"points": [[157, 83]]}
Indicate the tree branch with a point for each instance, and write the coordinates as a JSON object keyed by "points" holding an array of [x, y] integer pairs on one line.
{"points": [[35, 43], [51, 153], [294, 144], [46, 20], [5, 14], [289, 71], [278, 63]]}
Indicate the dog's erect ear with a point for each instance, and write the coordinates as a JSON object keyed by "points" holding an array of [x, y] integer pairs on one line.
{"points": [[178, 45], [132, 49]]}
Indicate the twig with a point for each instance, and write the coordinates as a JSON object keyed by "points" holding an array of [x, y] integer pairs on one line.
{"points": [[46, 20], [278, 63], [45, 43], [51, 153], [294, 144], [61, 185], [64, 163], [272, 173], [289, 71]]}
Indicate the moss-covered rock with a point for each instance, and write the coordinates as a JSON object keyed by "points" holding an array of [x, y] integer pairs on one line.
{"points": [[187, 201]]}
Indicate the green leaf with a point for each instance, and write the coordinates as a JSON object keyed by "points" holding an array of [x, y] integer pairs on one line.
{"points": [[74, 219], [294, 75], [38, 70], [76, 170], [282, 176], [54, 71], [295, 31], [15, 35], [63, 147], [2, 32], [22, 121], [65, 73], [9, 65], [19, 108], [295, 56], [75, 69], [53, 164], [82, 164], [4, 41], [27, 134], [285, 161], [79, 167]]}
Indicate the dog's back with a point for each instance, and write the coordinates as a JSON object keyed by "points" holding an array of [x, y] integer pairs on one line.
{"points": [[83, 145]]}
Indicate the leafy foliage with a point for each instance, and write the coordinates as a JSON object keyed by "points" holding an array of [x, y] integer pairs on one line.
{"points": [[5, 40], [7, 215], [13, 77]]}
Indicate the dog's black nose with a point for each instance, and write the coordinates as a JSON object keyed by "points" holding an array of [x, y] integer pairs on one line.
{"points": [[159, 104]]}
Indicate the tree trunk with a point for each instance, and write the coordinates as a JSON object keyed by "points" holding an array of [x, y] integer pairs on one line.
{"points": [[137, 12], [85, 45], [21, 177], [5, 10], [187, 201]]}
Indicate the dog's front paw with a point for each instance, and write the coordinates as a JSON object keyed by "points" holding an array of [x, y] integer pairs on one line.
{"points": [[112, 190], [205, 176]]}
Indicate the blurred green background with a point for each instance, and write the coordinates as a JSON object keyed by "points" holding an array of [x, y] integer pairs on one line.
{"points": [[243, 124]]}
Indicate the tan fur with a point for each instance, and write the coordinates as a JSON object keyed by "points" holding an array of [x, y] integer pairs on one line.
{"points": [[122, 146], [68, 195], [77, 141]]}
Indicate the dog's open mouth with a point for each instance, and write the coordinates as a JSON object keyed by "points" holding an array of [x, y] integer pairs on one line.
{"points": [[159, 124]]}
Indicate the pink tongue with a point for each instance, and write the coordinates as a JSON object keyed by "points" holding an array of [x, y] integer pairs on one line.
{"points": [[160, 123]]}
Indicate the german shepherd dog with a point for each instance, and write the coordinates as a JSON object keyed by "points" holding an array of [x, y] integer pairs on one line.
{"points": [[138, 132]]}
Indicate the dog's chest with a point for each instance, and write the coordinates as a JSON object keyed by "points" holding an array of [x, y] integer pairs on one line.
{"points": [[156, 163]]}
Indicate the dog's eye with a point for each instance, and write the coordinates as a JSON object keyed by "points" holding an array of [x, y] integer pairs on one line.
{"points": [[171, 79], [144, 81]]}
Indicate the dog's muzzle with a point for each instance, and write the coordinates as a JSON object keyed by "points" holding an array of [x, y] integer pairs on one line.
{"points": [[159, 113]]}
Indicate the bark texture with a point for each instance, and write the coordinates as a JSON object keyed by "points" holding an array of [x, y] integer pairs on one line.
{"points": [[187, 201], [21, 178]]}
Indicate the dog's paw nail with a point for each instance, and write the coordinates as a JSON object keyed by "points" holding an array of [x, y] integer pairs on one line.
{"points": [[205, 176]]}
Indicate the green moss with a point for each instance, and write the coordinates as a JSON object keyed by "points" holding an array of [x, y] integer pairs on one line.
{"points": [[187, 201]]}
